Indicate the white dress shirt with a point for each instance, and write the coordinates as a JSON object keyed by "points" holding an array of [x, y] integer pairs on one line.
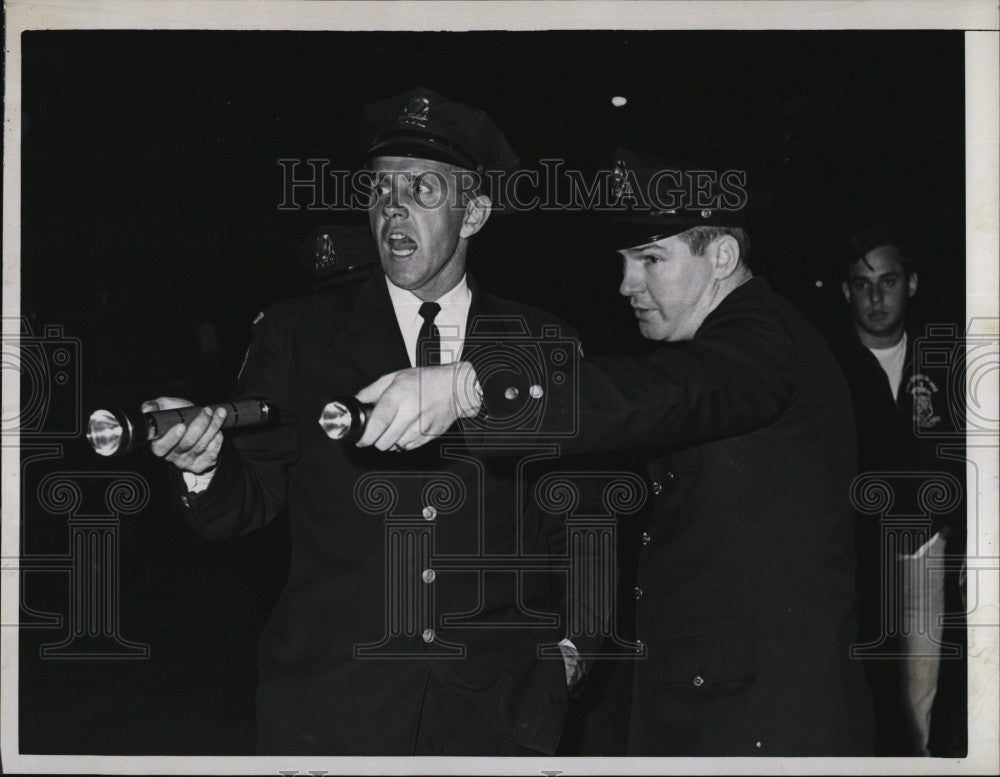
{"points": [[450, 320]]}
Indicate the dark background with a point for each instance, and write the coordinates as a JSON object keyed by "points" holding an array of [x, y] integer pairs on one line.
{"points": [[151, 232]]}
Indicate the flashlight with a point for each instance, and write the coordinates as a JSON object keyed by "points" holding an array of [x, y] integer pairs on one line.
{"points": [[116, 432], [345, 418]]}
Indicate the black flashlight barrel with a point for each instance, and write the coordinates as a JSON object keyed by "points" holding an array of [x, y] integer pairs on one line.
{"points": [[244, 412], [117, 432]]}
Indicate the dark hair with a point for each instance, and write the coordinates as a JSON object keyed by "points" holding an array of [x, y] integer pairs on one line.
{"points": [[870, 239], [698, 238]]}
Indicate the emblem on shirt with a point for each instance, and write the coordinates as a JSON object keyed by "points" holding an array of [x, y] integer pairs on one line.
{"points": [[923, 389]]}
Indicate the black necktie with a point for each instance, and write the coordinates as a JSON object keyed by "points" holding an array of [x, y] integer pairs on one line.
{"points": [[429, 339]]}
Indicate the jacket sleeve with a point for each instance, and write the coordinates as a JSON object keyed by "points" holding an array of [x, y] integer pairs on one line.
{"points": [[250, 481], [736, 375]]}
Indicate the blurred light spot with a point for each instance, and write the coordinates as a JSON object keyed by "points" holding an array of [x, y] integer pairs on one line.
{"points": [[618, 101], [819, 284]]}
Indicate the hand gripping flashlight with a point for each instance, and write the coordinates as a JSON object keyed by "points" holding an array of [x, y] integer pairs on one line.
{"points": [[115, 432]]}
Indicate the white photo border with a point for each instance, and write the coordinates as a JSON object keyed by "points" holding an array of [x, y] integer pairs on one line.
{"points": [[982, 42]]}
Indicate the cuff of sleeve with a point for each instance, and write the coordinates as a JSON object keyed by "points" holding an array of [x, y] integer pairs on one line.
{"points": [[209, 486], [197, 483], [572, 663]]}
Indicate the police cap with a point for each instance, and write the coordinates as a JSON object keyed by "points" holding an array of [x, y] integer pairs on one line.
{"points": [[653, 198], [423, 124]]}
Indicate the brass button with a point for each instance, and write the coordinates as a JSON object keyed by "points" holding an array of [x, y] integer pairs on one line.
{"points": [[670, 476], [646, 539], [639, 646], [511, 393], [638, 592], [698, 681], [657, 487], [428, 635], [428, 575], [429, 512], [536, 391]]}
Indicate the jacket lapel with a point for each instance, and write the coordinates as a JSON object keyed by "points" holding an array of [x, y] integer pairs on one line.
{"points": [[486, 319], [374, 342]]}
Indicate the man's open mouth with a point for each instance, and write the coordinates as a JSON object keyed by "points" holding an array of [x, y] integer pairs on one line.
{"points": [[401, 245]]}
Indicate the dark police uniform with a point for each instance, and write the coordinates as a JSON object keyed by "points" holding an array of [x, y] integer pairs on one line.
{"points": [[745, 583], [370, 649]]}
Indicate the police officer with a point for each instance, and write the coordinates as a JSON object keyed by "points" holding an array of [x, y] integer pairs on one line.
{"points": [[745, 585], [370, 649]]}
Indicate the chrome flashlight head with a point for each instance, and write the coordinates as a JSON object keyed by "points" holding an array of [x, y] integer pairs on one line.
{"points": [[336, 420], [345, 418], [110, 432]]}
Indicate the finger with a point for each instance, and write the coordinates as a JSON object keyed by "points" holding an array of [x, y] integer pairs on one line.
{"points": [[400, 423], [164, 445], [212, 431], [207, 460], [213, 449], [411, 438], [195, 429], [380, 418], [424, 432], [373, 392], [164, 403]]}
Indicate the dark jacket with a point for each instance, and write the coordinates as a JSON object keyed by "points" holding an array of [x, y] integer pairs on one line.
{"points": [[745, 583], [902, 433], [898, 446], [343, 666]]}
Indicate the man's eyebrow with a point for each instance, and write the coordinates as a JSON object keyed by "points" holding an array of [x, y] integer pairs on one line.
{"points": [[889, 274]]}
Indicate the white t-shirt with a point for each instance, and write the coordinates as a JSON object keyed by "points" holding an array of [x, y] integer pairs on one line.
{"points": [[892, 360]]}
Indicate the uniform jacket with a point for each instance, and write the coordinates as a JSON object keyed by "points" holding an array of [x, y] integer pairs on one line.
{"points": [[343, 670], [745, 582]]}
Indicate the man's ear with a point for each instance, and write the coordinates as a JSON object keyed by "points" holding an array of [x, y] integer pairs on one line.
{"points": [[846, 288], [477, 212], [726, 256], [912, 283]]}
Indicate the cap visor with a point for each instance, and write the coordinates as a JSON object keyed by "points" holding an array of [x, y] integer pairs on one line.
{"points": [[416, 147], [629, 234]]}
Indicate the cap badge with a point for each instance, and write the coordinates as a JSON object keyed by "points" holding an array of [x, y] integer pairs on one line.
{"points": [[620, 187], [415, 112]]}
